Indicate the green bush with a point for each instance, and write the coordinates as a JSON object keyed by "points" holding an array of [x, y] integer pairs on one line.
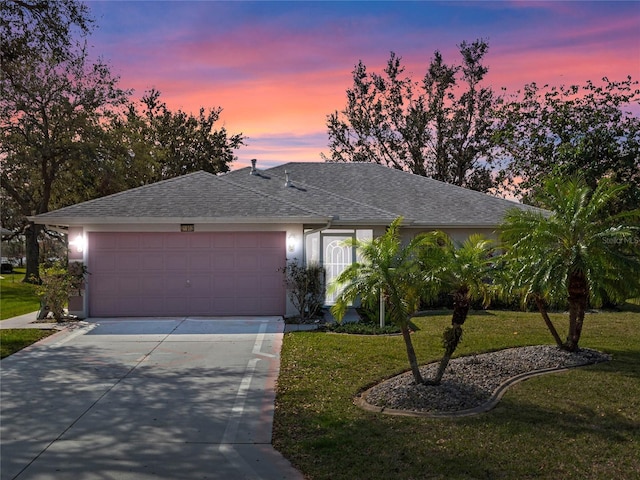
{"points": [[57, 283], [363, 328], [306, 288]]}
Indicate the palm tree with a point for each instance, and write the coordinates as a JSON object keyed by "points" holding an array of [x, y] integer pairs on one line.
{"points": [[580, 252], [464, 272], [390, 269]]}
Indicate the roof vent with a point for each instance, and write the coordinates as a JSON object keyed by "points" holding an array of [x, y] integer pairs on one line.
{"points": [[287, 182], [253, 167]]}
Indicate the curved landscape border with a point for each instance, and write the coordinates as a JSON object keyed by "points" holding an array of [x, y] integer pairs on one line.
{"points": [[485, 407]]}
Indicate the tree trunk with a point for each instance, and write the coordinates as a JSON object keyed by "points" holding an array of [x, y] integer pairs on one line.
{"points": [[441, 368], [542, 308], [411, 354], [32, 252], [578, 297], [451, 337], [461, 306]]}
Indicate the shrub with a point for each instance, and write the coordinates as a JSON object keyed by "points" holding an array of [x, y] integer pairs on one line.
{"points": [[56, 284], [306, 287]]}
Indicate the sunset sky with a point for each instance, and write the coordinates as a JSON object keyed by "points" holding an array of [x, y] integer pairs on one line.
{"points": [[279, 68]]}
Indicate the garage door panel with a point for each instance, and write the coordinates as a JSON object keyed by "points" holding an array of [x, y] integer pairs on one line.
{"points": [[175, 306], [104, 262], [104, 286], [128, 285], [176, 262], [223, 262], [102, 242], [176, 242], [200, 306], [127, 262], [250, 262], [224, 287], [247, 240], [174, 274], [271, 262], [151, 241], [152, 307], [274, 242], [200, 285], [271, 304], [271, 285], [223, 240], [250, 304], [176, 283], [151, 285], [128, 241], [200, 241], [247, 284], [199, 262], [151, 261]]}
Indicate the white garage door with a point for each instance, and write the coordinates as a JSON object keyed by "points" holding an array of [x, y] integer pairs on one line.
{"points": [[174, 274]]}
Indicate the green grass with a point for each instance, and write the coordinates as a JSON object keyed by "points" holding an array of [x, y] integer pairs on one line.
{"points": [[16, 298], [580, 424], [13, 339]]}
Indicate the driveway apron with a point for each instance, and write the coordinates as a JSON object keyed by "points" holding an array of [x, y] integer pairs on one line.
{"points": [[179, 398]]}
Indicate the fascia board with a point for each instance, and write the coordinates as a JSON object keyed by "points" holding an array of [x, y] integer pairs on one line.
{"points": [[80, 221]]}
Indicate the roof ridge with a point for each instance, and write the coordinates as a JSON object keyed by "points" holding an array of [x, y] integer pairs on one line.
{"points": [[272, 197]]}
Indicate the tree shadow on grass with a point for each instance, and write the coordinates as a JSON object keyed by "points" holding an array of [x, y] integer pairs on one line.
{"points": [[490, 446]]}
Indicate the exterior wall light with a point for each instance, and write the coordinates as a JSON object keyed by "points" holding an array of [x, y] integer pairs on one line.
{"points": [[291, 242], [79, 242]]}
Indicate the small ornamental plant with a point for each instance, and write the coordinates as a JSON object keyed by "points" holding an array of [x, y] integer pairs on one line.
{"points": [[56, 284], [306, 288]]}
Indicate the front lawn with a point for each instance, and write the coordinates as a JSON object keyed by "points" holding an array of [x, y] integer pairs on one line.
{"points": [[580, 424], [16, 298], [14, 339]]}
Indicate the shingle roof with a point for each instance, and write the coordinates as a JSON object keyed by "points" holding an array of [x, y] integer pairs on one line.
{"points": [[348, 193], [361, 191]]}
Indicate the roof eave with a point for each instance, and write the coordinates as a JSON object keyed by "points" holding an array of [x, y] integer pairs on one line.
{"points": [[80, 221], [442, 226]]}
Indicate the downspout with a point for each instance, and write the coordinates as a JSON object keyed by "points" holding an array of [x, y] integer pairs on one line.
{"points": [[310, 232]]}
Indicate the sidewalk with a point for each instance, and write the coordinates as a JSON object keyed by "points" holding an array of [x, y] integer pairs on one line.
{"points": [[28, 320]]}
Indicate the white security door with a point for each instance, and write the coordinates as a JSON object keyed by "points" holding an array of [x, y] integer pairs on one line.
{"points": [[337, 256]]}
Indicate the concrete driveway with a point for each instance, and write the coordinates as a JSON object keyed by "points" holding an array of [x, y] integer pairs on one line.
{"points": [[179, 398]]}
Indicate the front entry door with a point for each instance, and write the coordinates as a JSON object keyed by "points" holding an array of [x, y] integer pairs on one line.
{"points": [[336, 258]]}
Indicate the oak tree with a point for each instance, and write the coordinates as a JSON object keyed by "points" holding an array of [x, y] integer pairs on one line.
{"points": [[440, 127], [592, 130]]}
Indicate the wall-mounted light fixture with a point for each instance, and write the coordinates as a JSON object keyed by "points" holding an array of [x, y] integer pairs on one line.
{"points": [[291, 242], [79, 243]]}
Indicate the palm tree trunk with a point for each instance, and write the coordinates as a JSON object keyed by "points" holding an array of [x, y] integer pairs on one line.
{"points": [[461, 305], [441, 368], [578, 296], [411, 354], [451, 339], [542, 308], [452, 335]]}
